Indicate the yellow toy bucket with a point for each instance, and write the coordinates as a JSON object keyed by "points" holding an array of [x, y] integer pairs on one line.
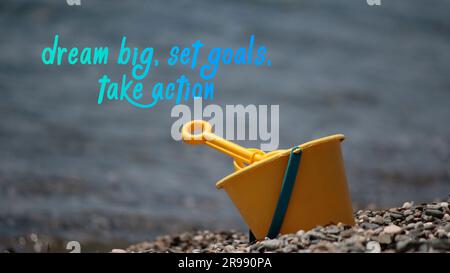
{"points": [[285, 190]]}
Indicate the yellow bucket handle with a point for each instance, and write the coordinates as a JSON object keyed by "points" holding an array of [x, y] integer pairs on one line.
{"points": [[205, 136]]}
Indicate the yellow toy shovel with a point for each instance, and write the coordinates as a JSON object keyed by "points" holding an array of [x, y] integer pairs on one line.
{"points": [[285, 190]]}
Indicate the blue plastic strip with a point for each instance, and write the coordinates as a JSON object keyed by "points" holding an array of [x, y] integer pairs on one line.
{"points": [[290, 176]]}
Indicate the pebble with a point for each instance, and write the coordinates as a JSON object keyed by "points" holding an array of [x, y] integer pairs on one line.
{"points": [[185, 236], [409, 228], [407, 205], [289, 249], [118, 250], [323, 246], [347, 233], [440, 244], [384, 238], [408, 212], [441, 233], [378, 220], [392, 229], [332, 230], [369, 226], [271, 244], [446, 217], [403, 246], [433, 206], [314, 235], [229, 248], [435, 213], [396, 215], [373, 247], [400, 237]]}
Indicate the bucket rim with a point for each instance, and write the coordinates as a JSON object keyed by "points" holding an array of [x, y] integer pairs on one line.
{"points": [[283, 152]]}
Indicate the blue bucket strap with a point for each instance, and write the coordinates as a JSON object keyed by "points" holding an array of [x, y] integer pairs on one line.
{"points": [[290, 176]]}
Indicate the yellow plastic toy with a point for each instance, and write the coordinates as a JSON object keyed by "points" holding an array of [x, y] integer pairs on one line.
{"points": [[285, 190]]}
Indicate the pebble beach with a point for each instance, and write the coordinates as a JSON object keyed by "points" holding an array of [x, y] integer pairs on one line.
{"points": [[409, 228]]}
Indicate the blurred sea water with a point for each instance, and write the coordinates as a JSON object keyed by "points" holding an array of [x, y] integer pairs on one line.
{"points": [[111, 174]]}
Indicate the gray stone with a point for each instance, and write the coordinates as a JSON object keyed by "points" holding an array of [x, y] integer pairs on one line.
{"points": [[373, 247], [409, 218], [314, 235], [446, 217], [433, 206], [392, 229], [300, 233], [271, 244], [428, 225], [332, 230], [440, 244], [397, 216], [378, 220], [289, 249], [435, 213], [118, 250], [346, 233], [408, 212], [403, 246], [369, 226], [384, 238], [401, 237], [407, 205], [441, 233], [185, 236]]}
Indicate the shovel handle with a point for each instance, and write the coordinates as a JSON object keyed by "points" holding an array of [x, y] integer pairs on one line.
{"points": [[205, 136]]}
